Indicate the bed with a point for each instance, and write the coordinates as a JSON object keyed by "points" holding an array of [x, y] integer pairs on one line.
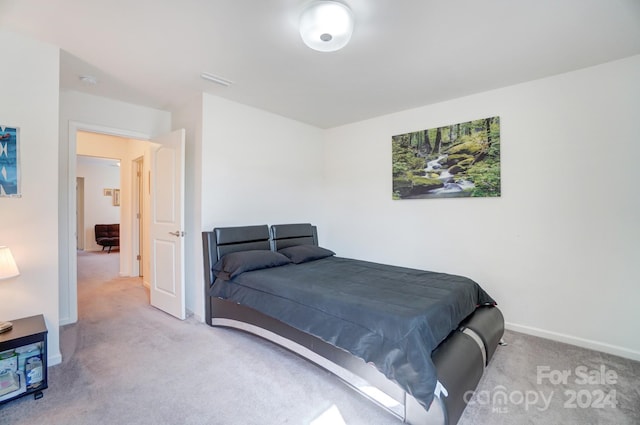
{"points": [[414, 342]]}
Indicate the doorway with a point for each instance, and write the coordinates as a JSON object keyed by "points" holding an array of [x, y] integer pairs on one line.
{"points": [[159, 152], [69, 286]]}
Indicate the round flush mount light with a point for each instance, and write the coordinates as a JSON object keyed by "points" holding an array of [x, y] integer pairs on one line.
{"points": [[326, 26]]}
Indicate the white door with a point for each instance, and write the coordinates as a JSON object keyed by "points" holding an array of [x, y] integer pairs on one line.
{"points": [[166, 226]]}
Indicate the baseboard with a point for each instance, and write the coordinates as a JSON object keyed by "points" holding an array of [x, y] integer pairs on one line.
{"points": [[66, 321], [196, 317], [580, 342], [53, 360], [146, 284]]}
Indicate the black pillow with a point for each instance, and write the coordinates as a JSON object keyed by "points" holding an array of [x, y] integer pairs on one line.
{"points": [[303, 253], [235, 263]]}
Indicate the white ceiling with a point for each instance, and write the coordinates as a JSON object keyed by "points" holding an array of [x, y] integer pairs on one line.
{"points": [[403, 53]]}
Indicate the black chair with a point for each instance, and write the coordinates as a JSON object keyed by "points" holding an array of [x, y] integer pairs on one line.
{"points": [[107, 235]]}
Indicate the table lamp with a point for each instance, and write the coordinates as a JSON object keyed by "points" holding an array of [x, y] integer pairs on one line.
{"points": [[8, 268]]}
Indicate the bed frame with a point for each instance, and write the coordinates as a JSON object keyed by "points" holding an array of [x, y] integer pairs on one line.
{"points": [[460, 359]]}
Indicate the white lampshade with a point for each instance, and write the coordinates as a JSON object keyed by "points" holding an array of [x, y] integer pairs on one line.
{"points": [[8, 267], [326, 26]]}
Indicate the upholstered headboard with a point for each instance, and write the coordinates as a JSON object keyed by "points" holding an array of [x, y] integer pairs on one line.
{"points": [[224, 240], [286, 235]]}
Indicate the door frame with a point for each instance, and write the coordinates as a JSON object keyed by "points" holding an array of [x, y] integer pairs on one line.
{"points": [[137, 213], [80, 213], [74, 127]]}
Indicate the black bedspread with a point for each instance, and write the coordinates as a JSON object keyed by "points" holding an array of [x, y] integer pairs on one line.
{"points": [[390, 316]]}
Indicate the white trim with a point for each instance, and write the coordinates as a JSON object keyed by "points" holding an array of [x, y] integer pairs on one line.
{"points": [[573, 340], [67, 320], [54, 360], [74, 127], [111, 131]]}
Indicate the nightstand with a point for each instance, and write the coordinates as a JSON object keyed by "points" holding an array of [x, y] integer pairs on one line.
{"points": [[23, 350]]}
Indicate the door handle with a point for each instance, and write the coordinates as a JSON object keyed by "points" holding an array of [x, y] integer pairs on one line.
{"points": [[177, 233]]}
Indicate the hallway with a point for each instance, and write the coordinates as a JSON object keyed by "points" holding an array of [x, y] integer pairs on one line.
{"points": [[98, 279]]}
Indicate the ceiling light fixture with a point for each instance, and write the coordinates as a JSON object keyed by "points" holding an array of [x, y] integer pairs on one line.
{"points": [[326, 26], [216, 79]]}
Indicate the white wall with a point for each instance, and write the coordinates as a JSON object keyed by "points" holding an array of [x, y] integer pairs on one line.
{"points": [[98, 209], [559, 250], [257, 168], [85, 112], [29, 225]]}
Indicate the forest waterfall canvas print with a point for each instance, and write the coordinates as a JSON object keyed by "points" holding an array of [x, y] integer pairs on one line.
{"points": [[458, 160]]}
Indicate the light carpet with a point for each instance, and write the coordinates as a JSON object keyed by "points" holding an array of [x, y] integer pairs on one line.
{"points": [[124, 362]]}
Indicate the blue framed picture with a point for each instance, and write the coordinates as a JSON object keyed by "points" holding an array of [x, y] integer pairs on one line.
{"points": [[9, 161]]}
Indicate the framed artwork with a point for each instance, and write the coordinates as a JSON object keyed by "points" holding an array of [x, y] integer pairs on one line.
{"points": [[457, 160], [107, 192], [116, 197], [9, 161]]}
